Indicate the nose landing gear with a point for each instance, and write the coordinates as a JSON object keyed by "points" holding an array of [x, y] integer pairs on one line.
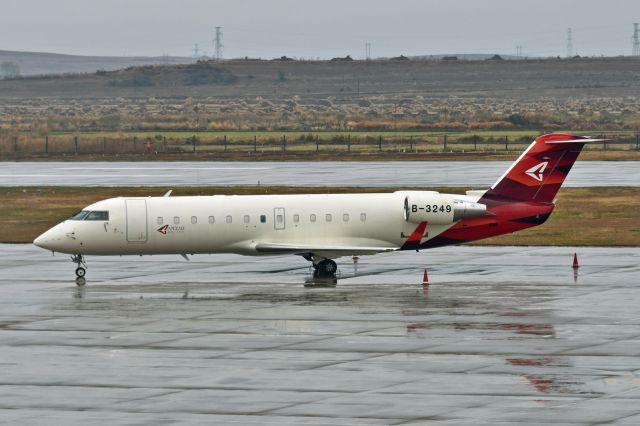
{"points": [[81, 270]]}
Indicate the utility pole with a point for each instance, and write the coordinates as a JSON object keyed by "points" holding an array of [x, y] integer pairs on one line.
{"points": [[636, 40], [217, 44], [569, 43], [367, 51]]}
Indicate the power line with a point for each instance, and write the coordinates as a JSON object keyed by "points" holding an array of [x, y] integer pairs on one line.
{"points": [[217, 43], [569, 43], [636, 40]]}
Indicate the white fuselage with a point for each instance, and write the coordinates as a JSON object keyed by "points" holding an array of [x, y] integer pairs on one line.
{"points": [[321, 228], [240, 224]]}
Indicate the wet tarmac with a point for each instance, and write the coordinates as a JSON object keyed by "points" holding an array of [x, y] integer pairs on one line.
{"points": [[501, 336], [353, 173]]}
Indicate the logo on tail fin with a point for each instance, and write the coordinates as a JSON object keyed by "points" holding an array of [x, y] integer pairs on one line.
{"points": [[537, 171]]}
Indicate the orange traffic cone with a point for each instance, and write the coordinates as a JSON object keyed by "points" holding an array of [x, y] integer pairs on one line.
{"points": [[425, 278], [575, 261]]}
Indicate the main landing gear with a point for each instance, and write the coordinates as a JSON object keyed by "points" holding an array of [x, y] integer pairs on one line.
{"points": [[326, 268], [81, 270]]}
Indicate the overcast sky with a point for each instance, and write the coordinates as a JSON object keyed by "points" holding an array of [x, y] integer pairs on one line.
{"points": [[319, 28]]}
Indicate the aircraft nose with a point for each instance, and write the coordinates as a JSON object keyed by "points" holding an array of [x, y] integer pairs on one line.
{"points": [[43, 240], [51, 239]]}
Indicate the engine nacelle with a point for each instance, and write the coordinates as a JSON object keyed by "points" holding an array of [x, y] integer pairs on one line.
{"points": [[432, 207], [438, 209]]}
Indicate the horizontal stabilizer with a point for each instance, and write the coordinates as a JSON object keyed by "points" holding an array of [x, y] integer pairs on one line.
{"points": [[577, 141]]}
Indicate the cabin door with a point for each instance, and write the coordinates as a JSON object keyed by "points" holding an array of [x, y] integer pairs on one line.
{"points": [[136, 221], [278, 218]]}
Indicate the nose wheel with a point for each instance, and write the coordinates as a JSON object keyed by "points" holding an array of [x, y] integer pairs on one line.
{"points": [[81, 270]]}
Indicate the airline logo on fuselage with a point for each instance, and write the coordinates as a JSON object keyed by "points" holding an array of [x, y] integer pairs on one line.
{"points": [[537, 171], [166, 229]]}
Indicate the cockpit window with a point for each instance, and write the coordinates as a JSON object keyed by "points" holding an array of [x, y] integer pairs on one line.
{"points": [[90, 215], [97, 215], [79, 215]]}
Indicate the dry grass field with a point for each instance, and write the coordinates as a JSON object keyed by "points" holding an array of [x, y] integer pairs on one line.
{"points": [[308, 96], [583, 216], [291, 145], [225, 105]]}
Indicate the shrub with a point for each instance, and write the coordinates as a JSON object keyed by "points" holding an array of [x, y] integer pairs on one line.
{"points": [[205, 73], [136, 81]]}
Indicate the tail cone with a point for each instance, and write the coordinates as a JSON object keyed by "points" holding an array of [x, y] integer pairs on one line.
{"points": [[575, 261], [425, 278]]}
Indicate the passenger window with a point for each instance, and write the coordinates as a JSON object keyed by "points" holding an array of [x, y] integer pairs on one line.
{"points": [[246, 218], [229, 219], [263, 218], [345, 217], [279, 218], [194, 219], [160, 220], [312, 218], [176, 220], [97, 215], [296, 218], [328, 217], [212, 219], [363, 217]]}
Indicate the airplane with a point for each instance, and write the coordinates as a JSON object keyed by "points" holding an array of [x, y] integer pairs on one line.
{"points": [[320, 227]]}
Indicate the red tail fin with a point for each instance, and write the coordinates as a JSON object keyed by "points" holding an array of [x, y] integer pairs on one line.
{"points": [[539, 172], [523, 196]]}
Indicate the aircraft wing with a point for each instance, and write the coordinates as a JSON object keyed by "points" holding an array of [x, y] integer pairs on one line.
{"points": [[329, 251]]}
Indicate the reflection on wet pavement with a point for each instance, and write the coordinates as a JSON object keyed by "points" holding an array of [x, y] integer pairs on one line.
{"points": [[502, 335]]}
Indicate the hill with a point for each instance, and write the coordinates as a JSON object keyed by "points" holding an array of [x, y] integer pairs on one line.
{"points": [[592, 94], [519, 80], [37, 63]]}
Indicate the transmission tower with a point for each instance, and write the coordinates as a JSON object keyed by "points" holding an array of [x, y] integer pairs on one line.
{"points": [[367, 51], [569, 43], [519, 52], [636, 40], [196, 51], [217, 43]]}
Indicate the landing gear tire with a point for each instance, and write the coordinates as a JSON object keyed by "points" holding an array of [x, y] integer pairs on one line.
{"points": [[81, 269], [326, 269]]}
